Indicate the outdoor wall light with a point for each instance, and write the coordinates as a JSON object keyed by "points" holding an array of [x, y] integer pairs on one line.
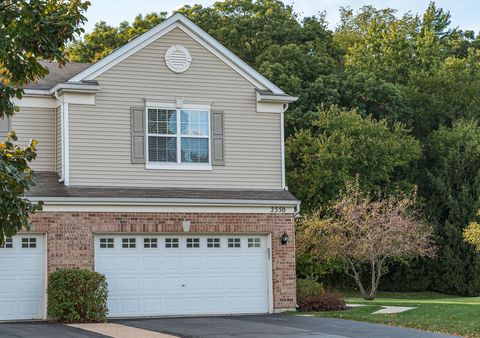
{"points": [[186, 226], [284, 238]]}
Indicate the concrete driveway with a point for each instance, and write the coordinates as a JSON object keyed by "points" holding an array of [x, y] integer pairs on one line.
{"points": [[274, 326]]}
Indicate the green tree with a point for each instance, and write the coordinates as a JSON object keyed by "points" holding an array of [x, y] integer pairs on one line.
{"points": [[343, 144], [297, 54], [452, 193], [104, 38], [30, 30]]}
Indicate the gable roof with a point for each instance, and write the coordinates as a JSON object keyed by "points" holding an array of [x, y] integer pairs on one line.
{"points": [[180, 21]]}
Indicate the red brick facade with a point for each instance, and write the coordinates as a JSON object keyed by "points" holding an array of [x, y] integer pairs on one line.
{"points": [[70, 237]]}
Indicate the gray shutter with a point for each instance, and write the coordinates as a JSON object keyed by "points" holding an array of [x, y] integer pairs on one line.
{"points": [[4, 127], [218, 152], [137, 115]]}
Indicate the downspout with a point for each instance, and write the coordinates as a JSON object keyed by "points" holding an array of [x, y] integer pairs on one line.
{"points": [[65, 141], [62, 141], [282, 136]]}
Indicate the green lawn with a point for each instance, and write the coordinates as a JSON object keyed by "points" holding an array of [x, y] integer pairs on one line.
{"points": [[434, 312]]}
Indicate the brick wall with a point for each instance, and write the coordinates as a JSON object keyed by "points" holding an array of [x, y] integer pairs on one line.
{"points": [[70, 237]]}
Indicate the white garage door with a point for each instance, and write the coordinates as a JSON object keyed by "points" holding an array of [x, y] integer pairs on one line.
{"points": [[22, 278], [184, 275]]}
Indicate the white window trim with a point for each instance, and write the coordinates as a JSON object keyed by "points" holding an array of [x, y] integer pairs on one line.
{"points": [[179, 165]]}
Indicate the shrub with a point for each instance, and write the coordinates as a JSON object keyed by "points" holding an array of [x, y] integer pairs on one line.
{"points": [[308, 287], [325, 302], [77, 296]]}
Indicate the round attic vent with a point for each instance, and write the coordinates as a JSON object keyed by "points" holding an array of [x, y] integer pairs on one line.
{"points": [[178, 59]]}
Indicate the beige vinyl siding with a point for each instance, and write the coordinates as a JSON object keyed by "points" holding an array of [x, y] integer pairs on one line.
{"points": [[38, 124], [58, 141], [100, 136]]}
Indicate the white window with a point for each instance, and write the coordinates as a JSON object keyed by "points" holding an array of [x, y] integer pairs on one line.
{"points": [[213, 242], [29, 242], [106, 243], [193, 242], [234, 242], [171, 242], [254, 242], [178, 138], [128, 243], [150, 243]]}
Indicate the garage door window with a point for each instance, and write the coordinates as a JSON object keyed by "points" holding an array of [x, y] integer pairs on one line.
{"points": [[193, 242], [30, 242], [254, 242], [171, 242], [213, 242], [8, 244], [234, 242], [150, 243], [106, 243], [128, 243]]}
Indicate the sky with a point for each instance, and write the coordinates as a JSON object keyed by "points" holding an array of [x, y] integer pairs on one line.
{"points": [[465, 13]]}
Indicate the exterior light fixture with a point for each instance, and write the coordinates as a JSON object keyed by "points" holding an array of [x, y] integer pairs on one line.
{"points": [[284, 238]]}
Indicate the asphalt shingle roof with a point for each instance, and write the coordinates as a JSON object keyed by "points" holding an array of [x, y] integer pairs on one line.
{"points": [[48, 185], [57, 74]]}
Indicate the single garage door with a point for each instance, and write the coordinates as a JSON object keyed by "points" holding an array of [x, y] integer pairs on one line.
{"points": [[22, 278], [184, 275]]}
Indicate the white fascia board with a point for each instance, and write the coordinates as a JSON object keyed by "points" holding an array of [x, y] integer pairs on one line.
{"points": [[64, 87], [36, 101], [276, 98], [143, 40], [162, 201]]}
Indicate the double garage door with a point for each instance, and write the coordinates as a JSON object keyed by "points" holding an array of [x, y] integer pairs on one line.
{"points": [[149, 275], [184, 275]]}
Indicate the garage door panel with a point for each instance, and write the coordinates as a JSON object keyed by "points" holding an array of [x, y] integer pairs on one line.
{"points": [[129, 284], [184, 275], [22, 278]]}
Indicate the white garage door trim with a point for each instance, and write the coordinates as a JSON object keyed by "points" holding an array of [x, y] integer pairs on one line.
{"points": [[23, 265], [174, 301]]}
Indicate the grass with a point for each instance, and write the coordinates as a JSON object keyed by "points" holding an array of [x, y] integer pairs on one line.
{"points": [[434, 312]]}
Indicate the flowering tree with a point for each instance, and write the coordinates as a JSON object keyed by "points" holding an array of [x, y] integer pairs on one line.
{"points": [[364, 232]]}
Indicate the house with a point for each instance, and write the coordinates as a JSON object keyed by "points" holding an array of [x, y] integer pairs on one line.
{"points": [[162, 167]]}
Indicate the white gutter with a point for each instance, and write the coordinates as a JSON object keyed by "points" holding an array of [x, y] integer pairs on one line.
{"points": [[70, 87], [276, 98], [160, 201]]}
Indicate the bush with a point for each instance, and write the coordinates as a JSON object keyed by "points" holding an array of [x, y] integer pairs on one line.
{"points": [[325, 302], [77, 296], [308, 287]]}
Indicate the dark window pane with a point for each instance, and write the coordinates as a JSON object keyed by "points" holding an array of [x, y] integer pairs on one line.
{"points": [[162, 149], [194, 150], [162, 121]]}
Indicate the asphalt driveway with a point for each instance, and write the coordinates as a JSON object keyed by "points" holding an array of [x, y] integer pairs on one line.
{"points": [[238, 326], [274, 326], [43, 330]]}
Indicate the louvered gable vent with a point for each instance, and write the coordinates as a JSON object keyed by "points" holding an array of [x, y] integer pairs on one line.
{"points": [[178, 59]]}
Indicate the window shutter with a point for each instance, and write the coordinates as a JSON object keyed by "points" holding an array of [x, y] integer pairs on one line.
{"points": [[4, 127], [218, 153], [137, 115]]}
